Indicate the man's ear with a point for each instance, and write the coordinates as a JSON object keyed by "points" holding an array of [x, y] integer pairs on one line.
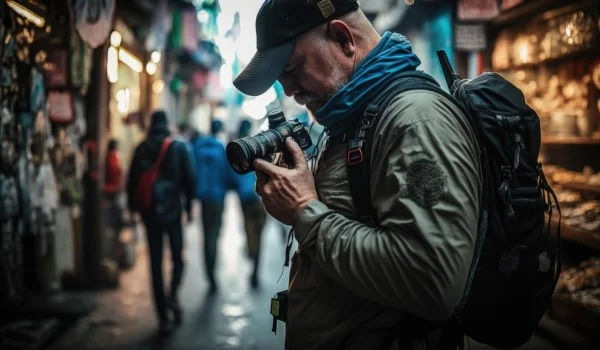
{"points": [[341, 34]]}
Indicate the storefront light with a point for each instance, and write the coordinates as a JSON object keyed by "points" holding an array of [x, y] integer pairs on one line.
{"points": [[203, 16], [130, 60], [115, 39], [409, 2], [123, 101], [112, 65], [27, 13], [155, 57], [151, 68], [158, 86], [524, 53]]}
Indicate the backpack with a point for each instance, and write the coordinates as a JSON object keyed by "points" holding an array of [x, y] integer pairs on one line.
{"points": [[516, 261], [151, 187]]}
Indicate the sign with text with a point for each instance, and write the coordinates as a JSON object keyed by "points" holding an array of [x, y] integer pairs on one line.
{"points": [[469, 10]]}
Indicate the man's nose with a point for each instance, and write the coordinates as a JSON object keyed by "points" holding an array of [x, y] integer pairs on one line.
{"points": [[289, 86]]}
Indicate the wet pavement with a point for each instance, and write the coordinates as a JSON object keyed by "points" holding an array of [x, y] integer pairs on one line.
{"points": [[236, 317]]}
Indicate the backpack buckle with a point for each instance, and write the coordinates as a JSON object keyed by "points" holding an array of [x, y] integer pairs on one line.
{"points": [[506, 172], [355, 152]]}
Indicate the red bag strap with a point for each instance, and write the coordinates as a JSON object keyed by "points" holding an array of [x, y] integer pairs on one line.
{"points": [[163, 151]]}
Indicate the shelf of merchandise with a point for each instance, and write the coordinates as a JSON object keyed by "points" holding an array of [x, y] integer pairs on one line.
{"points": [[570, 140], [587, 238], [590, 52], [530, 9], [583, 187]]}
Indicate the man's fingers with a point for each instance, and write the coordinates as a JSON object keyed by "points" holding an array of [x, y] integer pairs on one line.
{"points": [[270, 169], [296, 152], [261, 181]]}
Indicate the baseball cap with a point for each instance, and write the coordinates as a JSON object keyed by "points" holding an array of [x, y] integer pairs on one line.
{"points": [[278, 23]]}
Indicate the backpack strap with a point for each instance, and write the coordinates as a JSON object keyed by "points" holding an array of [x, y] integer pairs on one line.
{"points": [[361, 137], [163, 151]]}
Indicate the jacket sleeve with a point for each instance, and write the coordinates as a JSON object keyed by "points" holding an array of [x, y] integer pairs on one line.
{"points": [[425, 189]]}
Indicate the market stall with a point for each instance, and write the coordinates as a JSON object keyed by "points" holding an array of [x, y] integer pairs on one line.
{"points": [[551, 51]]}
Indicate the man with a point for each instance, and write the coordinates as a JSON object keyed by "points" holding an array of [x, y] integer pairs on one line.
{"points": [[352, 286], [176, 168], [252, 209], [214, 177]]}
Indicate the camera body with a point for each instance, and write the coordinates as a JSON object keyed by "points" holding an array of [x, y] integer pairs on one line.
{"points": [[241, 153]]}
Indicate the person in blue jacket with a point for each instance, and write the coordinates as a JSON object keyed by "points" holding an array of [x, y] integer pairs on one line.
{"points": [[213, 176], [252, 209]]}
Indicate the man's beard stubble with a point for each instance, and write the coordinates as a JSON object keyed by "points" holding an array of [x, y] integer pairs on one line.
{"points": [[313, 102]]}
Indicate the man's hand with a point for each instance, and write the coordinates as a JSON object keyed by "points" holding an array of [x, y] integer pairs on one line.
{"points": [[285, 192]]}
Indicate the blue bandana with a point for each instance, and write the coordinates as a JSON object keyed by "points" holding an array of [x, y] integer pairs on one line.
{"points": [[392, 56]]}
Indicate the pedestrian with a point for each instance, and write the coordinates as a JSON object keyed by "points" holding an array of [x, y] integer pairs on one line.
{"points": [[353, 283], [163, 213], [113, 177], [213, 179], [252, 210]]}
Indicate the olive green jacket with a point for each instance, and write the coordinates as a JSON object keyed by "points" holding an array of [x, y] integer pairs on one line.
{"points": [[349, 283]]}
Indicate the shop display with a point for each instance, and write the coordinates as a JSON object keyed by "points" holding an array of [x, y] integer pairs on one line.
{"points": [[582, 284], [584, 215], [34, 59], [546, 40], [562, 176]]}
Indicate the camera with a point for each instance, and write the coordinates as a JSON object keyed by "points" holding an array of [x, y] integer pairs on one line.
{"points": [[241, 153]]}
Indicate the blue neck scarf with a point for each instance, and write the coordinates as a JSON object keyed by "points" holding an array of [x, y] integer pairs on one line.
{"points": [[392, 56]]}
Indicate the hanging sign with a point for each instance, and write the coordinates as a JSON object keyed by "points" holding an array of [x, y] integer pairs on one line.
{"points": [[477, 9], [93, 20], [470, 37], [61, 108]]}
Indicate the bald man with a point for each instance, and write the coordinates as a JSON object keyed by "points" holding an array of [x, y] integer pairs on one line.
{"points": [[359, 282]]}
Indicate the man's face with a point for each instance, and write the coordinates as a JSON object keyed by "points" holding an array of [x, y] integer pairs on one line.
{"points": [[316, 70]]}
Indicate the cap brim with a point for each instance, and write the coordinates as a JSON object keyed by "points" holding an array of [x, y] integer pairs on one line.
{"points": [[264, 69]]}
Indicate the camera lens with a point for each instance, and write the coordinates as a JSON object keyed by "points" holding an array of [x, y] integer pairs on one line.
{"points": [[241, 153]]}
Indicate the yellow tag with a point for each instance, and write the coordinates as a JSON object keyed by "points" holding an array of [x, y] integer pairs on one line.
{"points": [[326, 8], [275, 307]]}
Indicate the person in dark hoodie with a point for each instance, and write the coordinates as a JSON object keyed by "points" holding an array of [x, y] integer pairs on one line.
{"points": [[176, 168]]}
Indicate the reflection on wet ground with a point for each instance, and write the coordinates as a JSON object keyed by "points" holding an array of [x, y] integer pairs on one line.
{"points": [[236, 317]]}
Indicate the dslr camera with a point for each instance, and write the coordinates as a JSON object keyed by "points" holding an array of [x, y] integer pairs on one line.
{"points": [[241, 153]]}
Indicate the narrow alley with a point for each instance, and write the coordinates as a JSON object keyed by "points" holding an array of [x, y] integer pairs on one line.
{"points": [[438, 160], [236, 317]]}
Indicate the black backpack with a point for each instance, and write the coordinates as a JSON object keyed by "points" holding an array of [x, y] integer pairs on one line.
{"points": [[516, 262]]}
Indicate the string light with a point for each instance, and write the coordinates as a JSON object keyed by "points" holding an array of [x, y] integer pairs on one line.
{"points": [[130, 60], [27, 13], [112, 65], [115, 39], [155, 56], [151, 68]]}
